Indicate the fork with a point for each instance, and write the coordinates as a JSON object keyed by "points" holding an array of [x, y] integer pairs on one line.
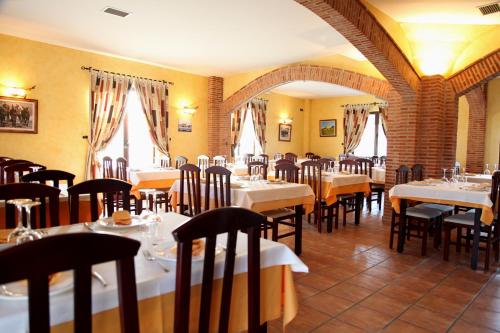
{"points": [[149, 257]]}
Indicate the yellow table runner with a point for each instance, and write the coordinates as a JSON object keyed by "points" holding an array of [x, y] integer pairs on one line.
{"points": [[331, 192], [155, 183]]}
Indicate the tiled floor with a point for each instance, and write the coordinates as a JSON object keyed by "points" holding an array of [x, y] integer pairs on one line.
{"points": [[357, 284]]}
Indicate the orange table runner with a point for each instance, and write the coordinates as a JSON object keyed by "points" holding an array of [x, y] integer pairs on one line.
{"points": [[155, 183], [331, 192]]}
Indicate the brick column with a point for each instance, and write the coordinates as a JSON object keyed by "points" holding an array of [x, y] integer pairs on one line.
{"points": [[477, 129], [215, 131]]}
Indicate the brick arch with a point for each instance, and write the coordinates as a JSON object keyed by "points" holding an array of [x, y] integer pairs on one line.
{"points": [[277, 77]]}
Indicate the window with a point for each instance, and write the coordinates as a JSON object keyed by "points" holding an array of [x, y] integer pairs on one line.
{"points": [[373, 142], [132, 139], [248, 141]]}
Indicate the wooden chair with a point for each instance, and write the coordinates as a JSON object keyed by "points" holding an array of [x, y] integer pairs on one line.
{"points": [[348, 200], [7, 163], [203, 163], [15, 172], [109, 188], [261, 167], [284, 161], [35, 192], [190, 178], [54, 176], [418, 219], [180, 161], [315, 158], [208, 225], [348, 165], [247, 158], [326, 163], [220, 161], [382, 160], [374, 159], [220, 178], [288, 172], [342, 157], [107, 167], [165, 162], [417, 174], [121, 169], [489, 234], [291, 156], [35, 261], [309, 155], [264, 159], [4, 158], [377, 190], [278, 156]]}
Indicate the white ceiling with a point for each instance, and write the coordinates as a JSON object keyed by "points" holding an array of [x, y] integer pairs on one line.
{"points": [[437, 11], [209, 37], [314, 89]]}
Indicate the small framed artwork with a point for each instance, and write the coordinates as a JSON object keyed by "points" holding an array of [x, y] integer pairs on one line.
{"points": [[18, 115], [285, 132], [185, 125], [328, 127]]}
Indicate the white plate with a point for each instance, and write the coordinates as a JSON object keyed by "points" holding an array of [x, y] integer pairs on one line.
{"points": [[108, 223], [20, 288], [162, 252]]}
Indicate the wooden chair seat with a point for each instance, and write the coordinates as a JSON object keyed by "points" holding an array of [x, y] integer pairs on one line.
{"points": [[423, 213], [442, 208]]}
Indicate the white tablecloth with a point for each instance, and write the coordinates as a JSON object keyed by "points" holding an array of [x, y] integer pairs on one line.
{"points": [[479, 179], [137, 176], [151, 279], [238, 169], [340, 179], [378, 175]]}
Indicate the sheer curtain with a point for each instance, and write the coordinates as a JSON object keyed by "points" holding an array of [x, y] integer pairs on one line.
{"points": [[355, 118], [108, 97], [258, 108]]}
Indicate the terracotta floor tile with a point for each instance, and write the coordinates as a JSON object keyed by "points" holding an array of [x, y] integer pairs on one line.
{"points": [[452, 294], [462, 326], [482, 317], [382, 273], [442, 305], [365, 318], [337, 326], [492, 290], [331, 305], [485, 301], [400, 326], [318, 281], [367, 281], [402, 293], [306, 320], [413, 283], [350, 291], [304, 291], [385, 304], [428, 319]]}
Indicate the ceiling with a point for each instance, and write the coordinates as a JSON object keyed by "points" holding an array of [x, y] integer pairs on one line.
{"points": [[209, 37], [314, 89]]}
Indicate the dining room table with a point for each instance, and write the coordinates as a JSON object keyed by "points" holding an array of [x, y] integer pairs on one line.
{"points": [[446, 193], [155, 279], [152, 178]]}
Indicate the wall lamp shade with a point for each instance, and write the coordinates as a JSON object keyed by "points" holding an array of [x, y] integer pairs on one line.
{"points": [[189, 110], [286, 121], [15, 92]]}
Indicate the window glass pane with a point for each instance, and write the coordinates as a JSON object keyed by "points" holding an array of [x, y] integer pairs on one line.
{"points": [[366, 147], [114, 149], [140, 143], [248, 140], [382, 141]]}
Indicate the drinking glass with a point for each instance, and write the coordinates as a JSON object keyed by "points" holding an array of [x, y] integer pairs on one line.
{"points": [[29, 234], [444, 179], [495, 167], [146, 213], [487, 170], [20, 228]]}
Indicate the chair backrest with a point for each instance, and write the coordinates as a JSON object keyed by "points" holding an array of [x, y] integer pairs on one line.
{"points": [[284, 161], [382, 160], [374, 159], [7, 163], [203, 163], [180, 161], [165, 162], [326, 163], [247, 158], [365, 166], [311, 175], [220, 161], [208, 225], [55, 176], [402, 174], [264, 158], [15, 172], [291, 156], [417, 172], [218, 182], [111, 189], [190, 178], [35, 261], [287, 171], [4, 158], [315, 157], [278, 156], [31, 191], [309, 155], [348, 165], [259, 167], [495, 191], [107, 167], [121, 168], [342, 157]]}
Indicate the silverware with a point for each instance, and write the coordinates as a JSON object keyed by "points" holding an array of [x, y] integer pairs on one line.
{"points": [[9, 293], [149, 257], [99, 278], [89, 226]]}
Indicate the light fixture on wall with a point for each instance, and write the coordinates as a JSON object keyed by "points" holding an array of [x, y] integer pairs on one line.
{"points": [[17, 92], [189, 110], [286, 120]]}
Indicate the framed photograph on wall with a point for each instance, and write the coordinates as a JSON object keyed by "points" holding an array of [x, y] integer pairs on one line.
{"points": [[185, 125], [18, 115], [285, 132], [328, 127]]}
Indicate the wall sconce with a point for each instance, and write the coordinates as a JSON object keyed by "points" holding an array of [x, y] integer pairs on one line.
{"points": [[286, 121], [16, 91], [189, 110]]}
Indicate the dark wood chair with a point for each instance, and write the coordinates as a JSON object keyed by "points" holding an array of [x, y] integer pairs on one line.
{"points": [[107, 167], [309, 155], [377, 190], [54, 176], [349, 165], [208, 225], [291, 156], [203, 164], [4, 158], [278, 156], [342, 157], [315, 158], [247, 158], [375, 159], [284, 161], [220, 160], [382, 160], [417, 174], [121, 168], [489, 234], [35, 261], [7, 163], [15, 172], [111, 189], [264, 158], [418, 219], [288, 172], [165, 162], [180, 161], [326, 163], [35, 192], [261, 167], [190, 181], [218, 183], [348, 200]]}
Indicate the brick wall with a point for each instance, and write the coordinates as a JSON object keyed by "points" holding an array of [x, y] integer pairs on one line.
{"points": [[215, 125], [477, 129]]}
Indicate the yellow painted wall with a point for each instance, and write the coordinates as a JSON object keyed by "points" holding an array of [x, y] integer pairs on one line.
{"points": [[493, 123], [63, 93], [278, 107], [330, 108], [462, 130]]}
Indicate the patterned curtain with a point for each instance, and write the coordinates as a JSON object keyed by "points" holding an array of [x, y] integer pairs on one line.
{"points": [[154, 101], [237, 119], [383, 118], [355, 118], [258, 107], [108, 97]]}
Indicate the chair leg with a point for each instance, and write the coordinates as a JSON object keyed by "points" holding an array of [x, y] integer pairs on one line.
{"points": [[496, 243], [379, 200], [488, 249], [344, 213], [369, 202], [337, 207], [425, 235], [408, 228], [446, 245], [459, 239], [467, 239], [393, 222], [274, 234]]}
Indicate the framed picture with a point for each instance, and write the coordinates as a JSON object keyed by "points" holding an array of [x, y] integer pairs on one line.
{"points": [[18, 115], [285, 132], [185, 125], [328, 127]]}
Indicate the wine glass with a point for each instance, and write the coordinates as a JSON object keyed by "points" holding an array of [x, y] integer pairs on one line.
{"points": [[29, 234], [495, 167], [487, 170], [20, 228], [444, 179], [146, 213]]}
